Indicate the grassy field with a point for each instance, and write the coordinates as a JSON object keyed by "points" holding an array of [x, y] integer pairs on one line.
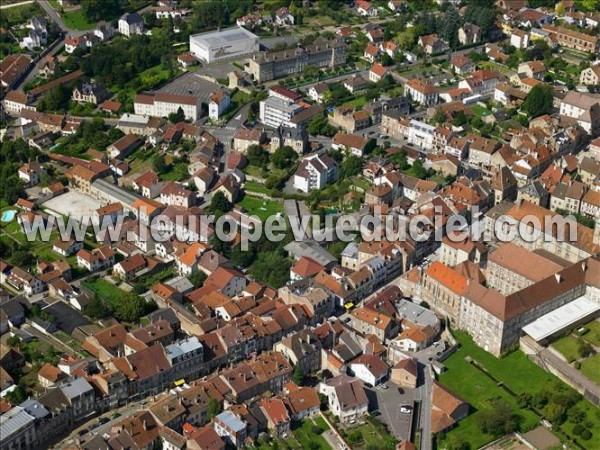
{"points": [[567, 346], [515, 371], [593, 335], [591, 368], [253, 186], [476, 388], [76, 19], [105, 290], [307, 438], [480, 111], [260, 207], [369, 436], [357, 103]]}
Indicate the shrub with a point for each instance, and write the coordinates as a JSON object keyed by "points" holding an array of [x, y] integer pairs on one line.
{"points": [[577, 365], [586, 435], [578, 429]]}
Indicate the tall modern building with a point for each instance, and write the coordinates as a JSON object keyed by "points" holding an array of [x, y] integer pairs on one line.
{"points": [[321, 53], [223, 44]]}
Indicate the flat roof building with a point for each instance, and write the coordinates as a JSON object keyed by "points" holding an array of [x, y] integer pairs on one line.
{"points": [[223, 44], [566, 317]]}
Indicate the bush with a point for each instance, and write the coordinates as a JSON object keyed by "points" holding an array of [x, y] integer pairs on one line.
{"points": [[578, 429], [586, 435], [577, 365], [316, 429]]}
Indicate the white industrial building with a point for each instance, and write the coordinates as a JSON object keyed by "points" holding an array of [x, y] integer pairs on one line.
{"points": [[223, 44]]}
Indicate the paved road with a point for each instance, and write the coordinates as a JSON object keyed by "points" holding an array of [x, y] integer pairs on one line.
{"points": [[425, 410], [57, 19]]}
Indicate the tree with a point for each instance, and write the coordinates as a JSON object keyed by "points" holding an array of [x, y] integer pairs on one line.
{"points": [[257, 156], [319, 126], [560, 8], [242, 258], [297, 376], [584, 348], [96, 309], [284, 157], [351, 166], [271, 267], [57, 99], [450, 26], [178, 116], [106, 9], [386, 60], [460, 119], [158, 164], [439, 116], [219, 204], [539, 100], [130, 308], [197, 279], [18, 395], [498, 420], [214, 408]]}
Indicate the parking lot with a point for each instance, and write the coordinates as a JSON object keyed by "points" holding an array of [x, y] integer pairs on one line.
{"points": [[192, 83], [73, 204], [389, 405]]}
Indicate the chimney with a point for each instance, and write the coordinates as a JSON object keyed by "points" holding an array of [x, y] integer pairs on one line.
{"points": [[145, 425], [558, 277], [583, 266]]}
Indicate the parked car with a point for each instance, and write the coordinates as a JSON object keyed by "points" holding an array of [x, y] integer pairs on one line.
{"points": [[406, 409]]}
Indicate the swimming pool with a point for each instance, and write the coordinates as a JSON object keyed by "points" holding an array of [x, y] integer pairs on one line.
{"points": [[9, 215]]}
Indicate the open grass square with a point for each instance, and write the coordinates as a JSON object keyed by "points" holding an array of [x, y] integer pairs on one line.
{"points": [[105, 290], [307, 438], [261, 207], [567, 346], [591, 368], [593, 335]]}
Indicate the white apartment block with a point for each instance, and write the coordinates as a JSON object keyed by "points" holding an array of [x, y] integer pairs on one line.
{"points": [[275, 112]]}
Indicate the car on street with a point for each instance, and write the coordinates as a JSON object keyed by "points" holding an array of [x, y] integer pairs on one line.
{"points": [[384, 386], [405, 409]]}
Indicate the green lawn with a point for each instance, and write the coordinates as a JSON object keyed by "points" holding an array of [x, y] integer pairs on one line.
{"points": [[370, 434], [480, 111], [518, 373], [177, 172], [307, 438], [153, 76], [478, 390], [593, 335], [591, 368], [357, 103], [567, 346], [253, 171], [76, 19], [253, 186], [105, 290], [45, 253], [261, 207]]}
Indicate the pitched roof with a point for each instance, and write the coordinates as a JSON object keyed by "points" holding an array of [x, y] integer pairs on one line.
{"points": [[447, 277]]}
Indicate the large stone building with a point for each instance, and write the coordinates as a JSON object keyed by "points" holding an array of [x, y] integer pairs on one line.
{"points": [[321, 53]]}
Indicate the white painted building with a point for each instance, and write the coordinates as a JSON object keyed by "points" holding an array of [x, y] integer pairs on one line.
{"points": [[223, 44], [275, 112], [161, 104]]}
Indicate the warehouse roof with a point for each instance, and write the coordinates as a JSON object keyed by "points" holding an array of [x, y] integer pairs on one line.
{"points": [[222, 37]]}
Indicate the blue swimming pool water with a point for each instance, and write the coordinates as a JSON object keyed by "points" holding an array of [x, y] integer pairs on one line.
{"points": [[9, 215]]}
